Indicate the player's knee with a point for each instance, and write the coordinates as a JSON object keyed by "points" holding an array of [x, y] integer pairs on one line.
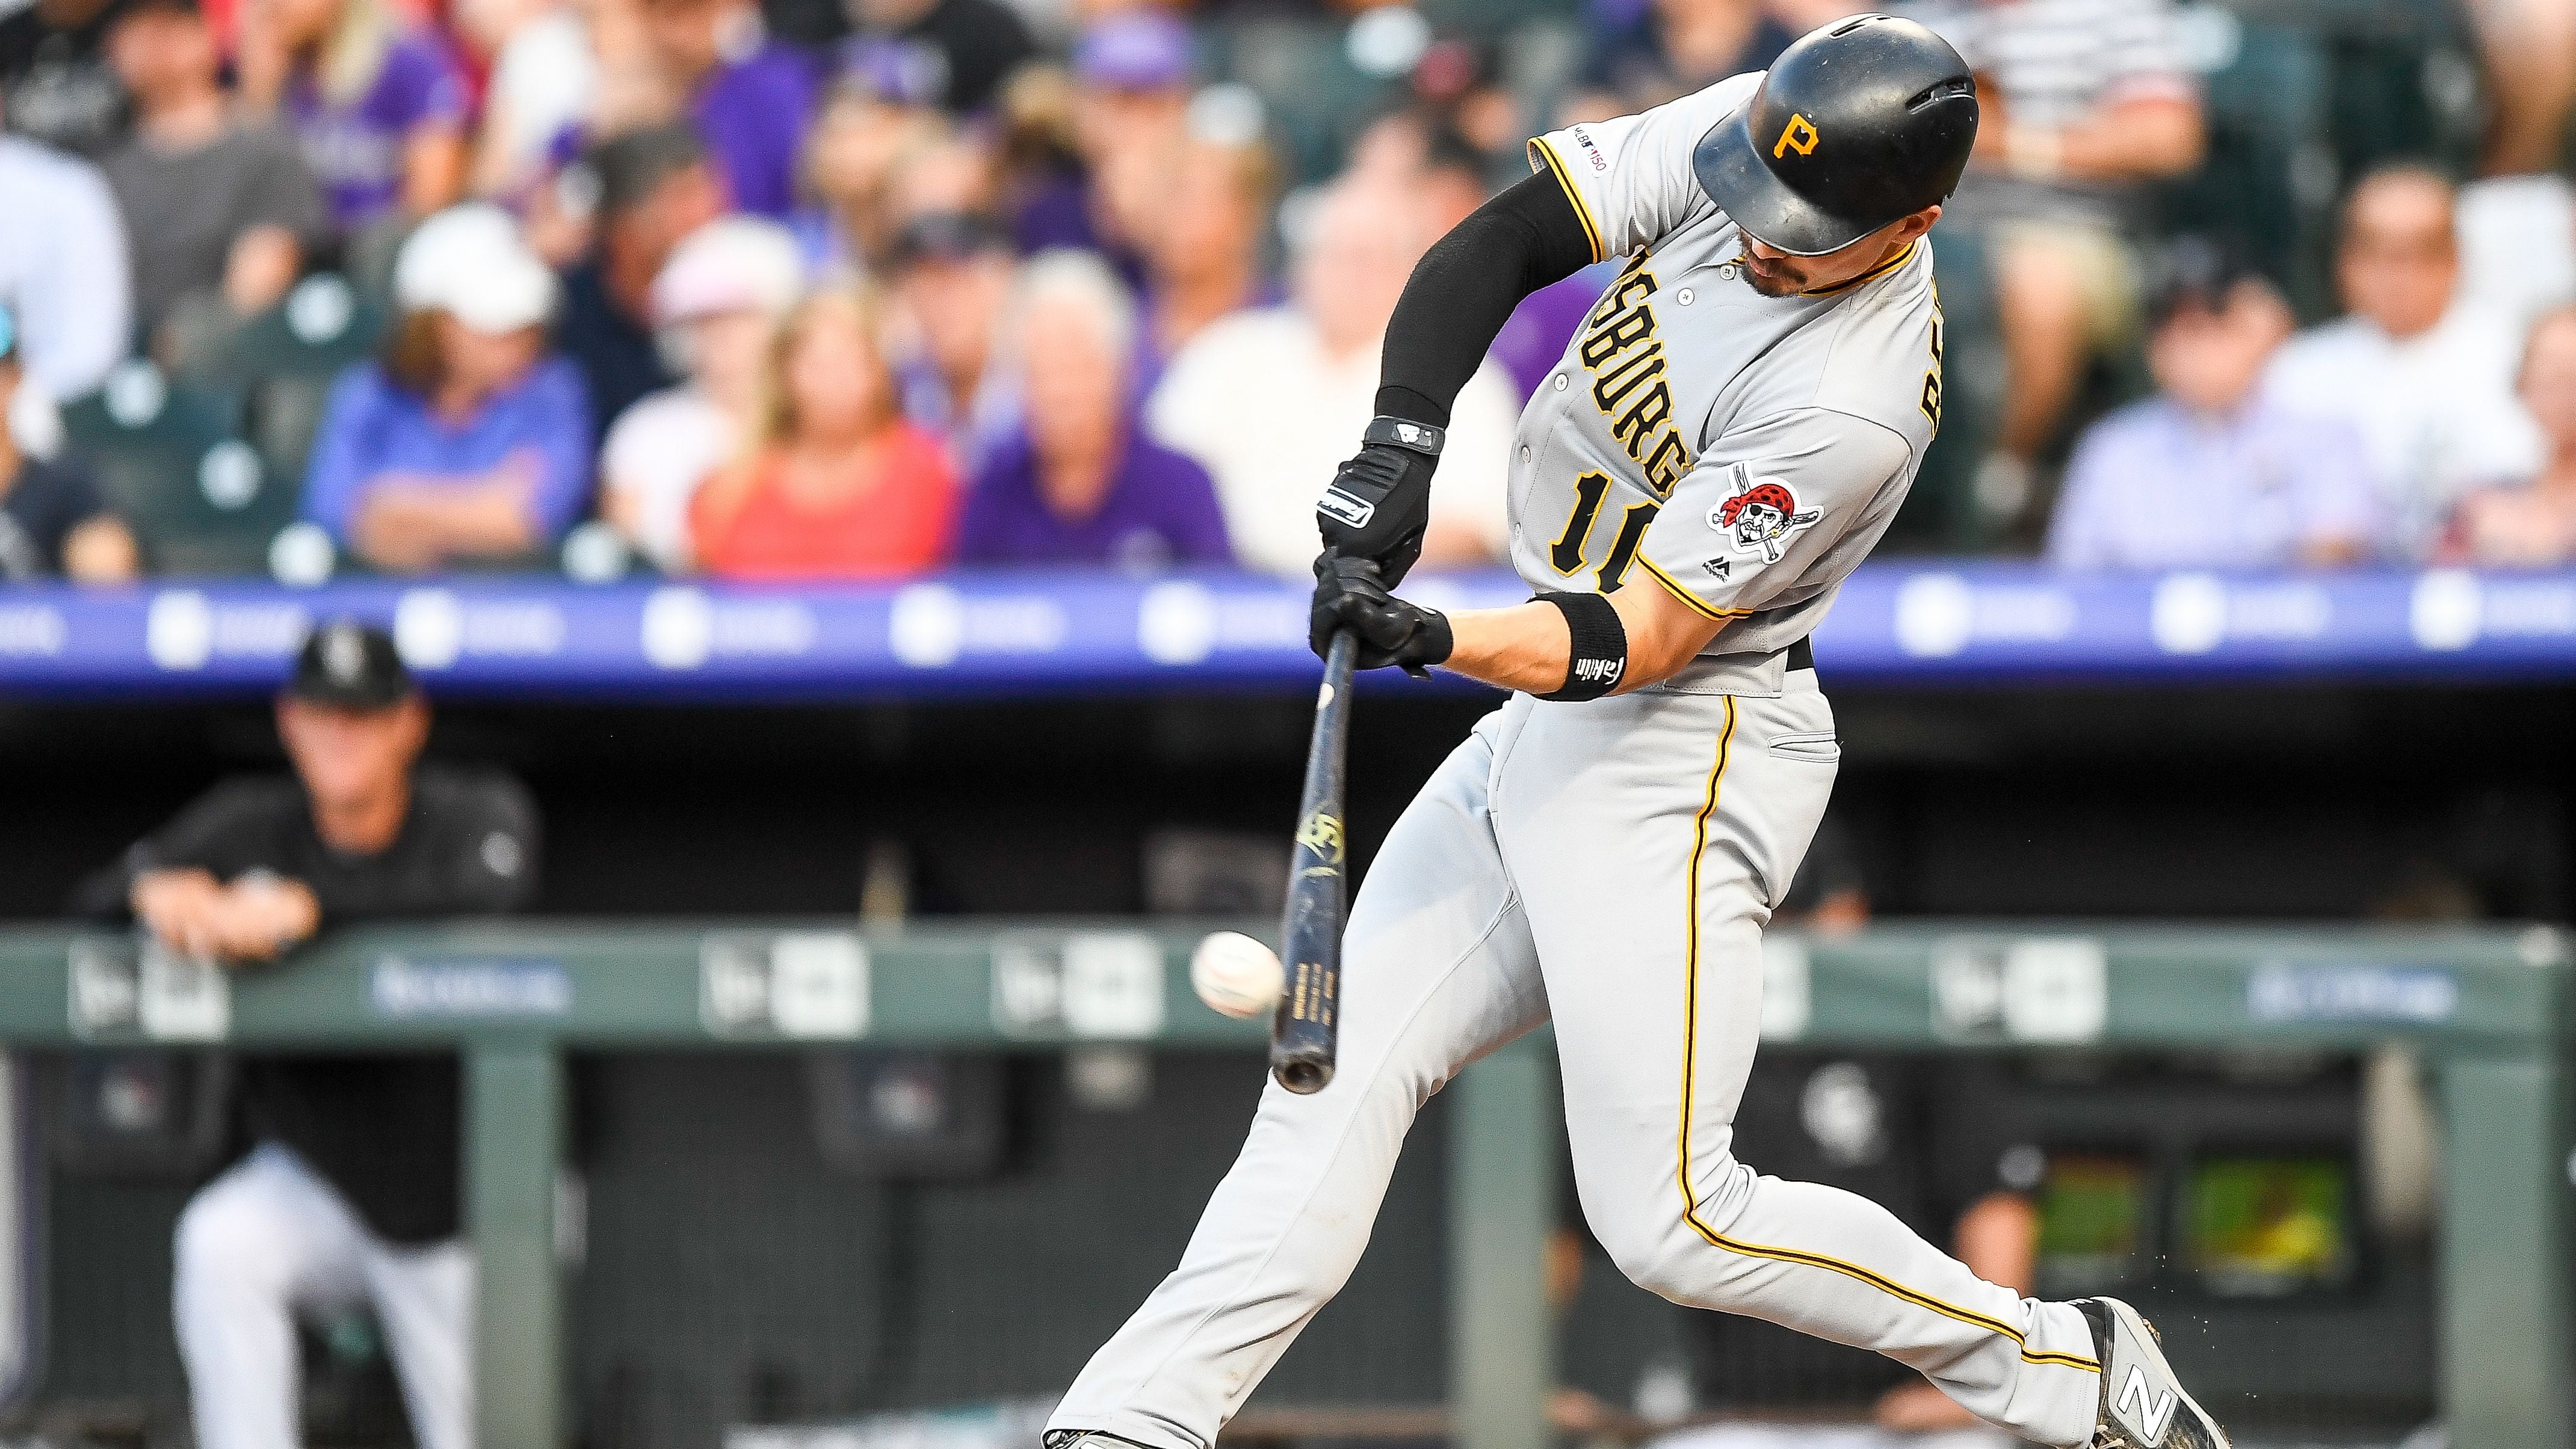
{"points": [[1664, 1242], [1660, 1258], [1651, 1243], [228, 1239]]}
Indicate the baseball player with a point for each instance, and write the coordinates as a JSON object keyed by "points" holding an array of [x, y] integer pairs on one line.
{"points": [[1727, 436]]}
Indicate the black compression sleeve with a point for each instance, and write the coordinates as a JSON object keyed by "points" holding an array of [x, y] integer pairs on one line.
{"points": [[1465, 288]]}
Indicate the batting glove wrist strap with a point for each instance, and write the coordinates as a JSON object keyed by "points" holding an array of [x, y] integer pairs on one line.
{"points": [[1379, 503], [1405, 433], [1599, 658]]}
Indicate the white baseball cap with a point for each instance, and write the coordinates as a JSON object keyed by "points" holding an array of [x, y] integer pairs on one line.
{"points": [[470, 261], [731, 264]]}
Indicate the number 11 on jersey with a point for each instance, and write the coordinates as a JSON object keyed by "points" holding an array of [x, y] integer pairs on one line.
{"points": [[1567, 554]]}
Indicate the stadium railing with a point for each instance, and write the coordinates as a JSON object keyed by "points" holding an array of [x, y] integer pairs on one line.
{"points": [[2486, 1008]]}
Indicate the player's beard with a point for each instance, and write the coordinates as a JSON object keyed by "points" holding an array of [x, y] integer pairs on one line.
{"points": [[1781, 281]]}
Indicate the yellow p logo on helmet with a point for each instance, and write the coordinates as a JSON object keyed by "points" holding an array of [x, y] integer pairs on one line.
{"points": [[1799, 136]]}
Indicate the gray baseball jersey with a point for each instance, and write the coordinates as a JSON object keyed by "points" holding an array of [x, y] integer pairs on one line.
{"points": [[1745, 451]]}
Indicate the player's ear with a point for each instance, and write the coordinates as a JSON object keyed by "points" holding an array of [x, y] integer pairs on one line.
{"points": [[1919, 223]]}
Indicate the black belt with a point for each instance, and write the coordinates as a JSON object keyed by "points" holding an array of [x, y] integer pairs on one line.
{"points": [[1802, 655]]}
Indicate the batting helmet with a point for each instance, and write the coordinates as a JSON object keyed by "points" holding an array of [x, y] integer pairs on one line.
{"points": [[1856, 124]]}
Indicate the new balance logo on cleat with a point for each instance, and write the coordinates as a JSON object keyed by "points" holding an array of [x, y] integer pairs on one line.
{"points": [[2142, 1403], [2133, 1401], [1084, 1439]]}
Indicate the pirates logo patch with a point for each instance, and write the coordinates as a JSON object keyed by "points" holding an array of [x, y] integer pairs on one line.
{"points": [[1759, 517]]}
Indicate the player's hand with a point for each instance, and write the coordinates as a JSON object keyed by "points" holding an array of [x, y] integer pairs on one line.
{"points": [[182, 908], [263, 915], [1391, 631], [1377, 509]]}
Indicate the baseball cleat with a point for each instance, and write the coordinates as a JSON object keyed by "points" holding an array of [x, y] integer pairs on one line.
{"points": [[1084, 1439], [2143, 1404]]}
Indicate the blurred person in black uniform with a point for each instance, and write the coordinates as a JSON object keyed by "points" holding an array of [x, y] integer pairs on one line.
{"points": [[352, 1193]]}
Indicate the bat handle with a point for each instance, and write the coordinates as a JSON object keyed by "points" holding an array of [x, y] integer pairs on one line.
{"points": [[1340, 658]]}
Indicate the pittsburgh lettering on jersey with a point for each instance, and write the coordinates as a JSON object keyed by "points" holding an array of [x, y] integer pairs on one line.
{"points": [[1629, 384]]}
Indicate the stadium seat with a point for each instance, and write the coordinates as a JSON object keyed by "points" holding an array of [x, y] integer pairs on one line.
{"points": [[284, 361], [172, 460]]}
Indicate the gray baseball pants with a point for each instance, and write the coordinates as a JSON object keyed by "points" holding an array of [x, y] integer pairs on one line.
{"points": [[1609, 864]]}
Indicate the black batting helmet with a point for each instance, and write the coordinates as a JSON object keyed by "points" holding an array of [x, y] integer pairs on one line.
{"points": [[1856, 124]]}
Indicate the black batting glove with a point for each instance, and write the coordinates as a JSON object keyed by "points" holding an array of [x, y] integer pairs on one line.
{"points": [[1379, 502], [1349, 597]]}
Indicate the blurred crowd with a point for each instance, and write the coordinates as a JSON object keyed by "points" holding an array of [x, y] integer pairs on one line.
{"points": [[812, 289]]}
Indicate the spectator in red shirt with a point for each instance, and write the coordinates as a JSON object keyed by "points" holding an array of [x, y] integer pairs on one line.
{"points": [[2531, 523], [839, 484]]}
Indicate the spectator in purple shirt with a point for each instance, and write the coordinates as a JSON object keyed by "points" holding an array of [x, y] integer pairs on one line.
{"points": [[379, 108], [467, 443], [751, 97], [2211, 472], [1079, 482]]}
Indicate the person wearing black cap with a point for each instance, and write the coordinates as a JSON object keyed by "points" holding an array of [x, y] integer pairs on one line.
{"points": [[1725, 440], [352, 1192], [53, 524]]}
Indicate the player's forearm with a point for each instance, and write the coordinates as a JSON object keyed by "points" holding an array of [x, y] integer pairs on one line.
{"points": [[1529, 646], [1524, 647]]}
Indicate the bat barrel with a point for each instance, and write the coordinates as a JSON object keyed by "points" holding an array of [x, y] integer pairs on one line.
{"points": [[1305, 1035]]}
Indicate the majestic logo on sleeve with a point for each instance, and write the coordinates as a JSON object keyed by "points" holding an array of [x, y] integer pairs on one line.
{"points": [[1759, 517]]}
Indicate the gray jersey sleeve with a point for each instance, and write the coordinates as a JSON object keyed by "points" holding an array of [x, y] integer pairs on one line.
{"points": [[1766, 518], [1631, 177]]}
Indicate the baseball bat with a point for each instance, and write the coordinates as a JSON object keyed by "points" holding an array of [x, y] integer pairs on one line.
{"points": [[1305, 1036]]}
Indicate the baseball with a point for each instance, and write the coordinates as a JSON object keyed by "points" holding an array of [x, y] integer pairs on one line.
{"points": [[1236, 974]]}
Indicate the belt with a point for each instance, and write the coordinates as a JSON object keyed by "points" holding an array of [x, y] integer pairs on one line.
{"points": [[1802, 655]]}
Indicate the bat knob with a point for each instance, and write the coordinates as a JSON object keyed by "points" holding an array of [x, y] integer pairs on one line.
{"points": [[1305, 1078]]}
